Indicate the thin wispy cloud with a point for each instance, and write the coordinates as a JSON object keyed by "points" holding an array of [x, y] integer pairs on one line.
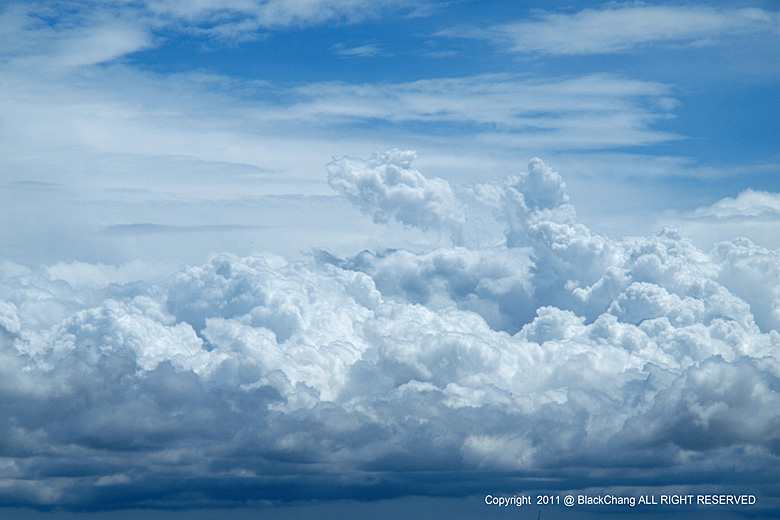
{"points": [[244, 20], [144, 229], [625, 28], [361, 51], [615, 111], [93, 32]]}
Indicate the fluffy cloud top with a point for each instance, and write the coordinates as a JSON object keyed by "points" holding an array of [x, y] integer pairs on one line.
{"points": [[547, 356], [748, 204], [387, 187]]}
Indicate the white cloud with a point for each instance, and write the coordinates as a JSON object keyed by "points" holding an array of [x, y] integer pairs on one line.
{"points": [[362, 51], [556, 354], [126, 147], [101, 44], [749, 271], [244, 19], [386, 186], [751, 214], [539, 349], [89, 34], [108, 30], [493, 282], [105, 112], [624, 28], [750, 204], [595, 111]]}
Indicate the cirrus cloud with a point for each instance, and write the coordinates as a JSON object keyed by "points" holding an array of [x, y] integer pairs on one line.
{"points": [[621, 28]]}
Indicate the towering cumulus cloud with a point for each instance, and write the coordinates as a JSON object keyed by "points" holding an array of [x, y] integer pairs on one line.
{"points": [[558, 356]]}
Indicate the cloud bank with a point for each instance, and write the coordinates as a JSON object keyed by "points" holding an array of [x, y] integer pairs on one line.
{"points": [[559, 356]]}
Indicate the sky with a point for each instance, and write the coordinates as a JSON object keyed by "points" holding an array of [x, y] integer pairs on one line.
{"points": [[300, 258]]}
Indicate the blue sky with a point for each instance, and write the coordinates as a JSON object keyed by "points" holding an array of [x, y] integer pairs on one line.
{"points": [[649, 122], [392, 255]]}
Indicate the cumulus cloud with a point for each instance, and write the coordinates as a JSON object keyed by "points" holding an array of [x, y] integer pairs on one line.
{"points": [[387, 187], [752, 213], [550, 354], [750, 271], [748, 204]]}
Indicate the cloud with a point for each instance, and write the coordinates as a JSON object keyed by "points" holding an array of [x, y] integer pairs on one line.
{"points": [[594, 111], [712, 406], [386, 186], [102, 44], [493, 282], [749, 271], [542, 351], [625, 28], [87, 34], [363, 51], [245, 380], [239, 19], [751, 204], [176, 146], [185, 138], [94, 32], [146, 229], [752, 213]]}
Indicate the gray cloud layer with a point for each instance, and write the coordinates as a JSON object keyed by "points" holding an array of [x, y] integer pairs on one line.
{"points": [[557, 354]]}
